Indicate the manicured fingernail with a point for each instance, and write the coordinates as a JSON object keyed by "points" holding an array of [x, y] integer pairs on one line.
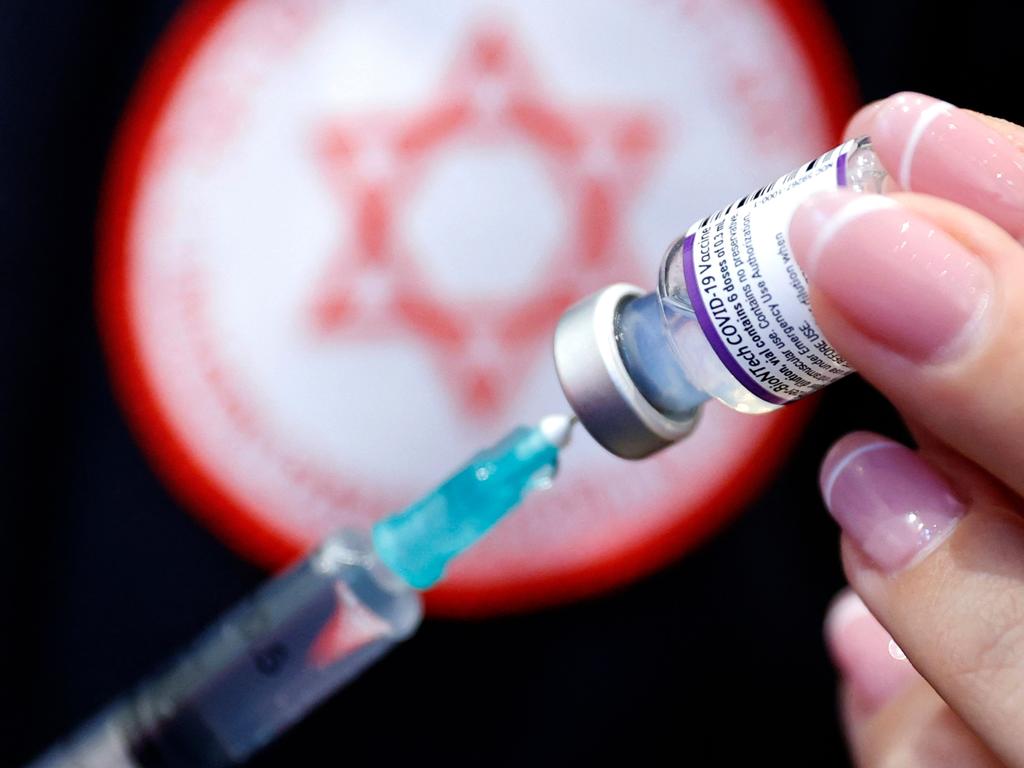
{"points": [[887, 499], [893, 274], [862, 120], [931, 146], [865, 654]]}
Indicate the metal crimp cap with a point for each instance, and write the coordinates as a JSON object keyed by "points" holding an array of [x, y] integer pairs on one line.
{"points": [[597, 385]]}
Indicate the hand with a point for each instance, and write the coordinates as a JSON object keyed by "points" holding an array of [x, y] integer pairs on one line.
{"points": [[923, 291]]}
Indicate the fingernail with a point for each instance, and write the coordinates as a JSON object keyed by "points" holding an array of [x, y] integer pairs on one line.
{"points": [[862, 120], [864, 653], [893, 274], [931, 146], [889, 501]]}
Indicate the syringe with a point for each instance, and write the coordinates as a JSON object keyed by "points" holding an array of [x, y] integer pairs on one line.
{"points": [[268, 661]]}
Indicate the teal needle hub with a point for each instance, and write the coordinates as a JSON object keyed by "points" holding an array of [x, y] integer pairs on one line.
{"points": [[418, 542]]}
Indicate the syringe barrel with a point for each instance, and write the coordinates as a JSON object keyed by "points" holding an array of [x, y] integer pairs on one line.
{"points": [[258, 669]]}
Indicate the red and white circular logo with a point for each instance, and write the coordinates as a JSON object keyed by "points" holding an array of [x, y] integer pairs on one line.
{"points": [[338, 236]]}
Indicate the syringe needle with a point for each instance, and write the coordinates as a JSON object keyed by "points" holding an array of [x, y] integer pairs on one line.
{"points": [[317, 625], [557, 428]]}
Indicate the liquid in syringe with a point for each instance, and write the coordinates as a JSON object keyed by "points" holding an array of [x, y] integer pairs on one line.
{"points": [[309, 631]]}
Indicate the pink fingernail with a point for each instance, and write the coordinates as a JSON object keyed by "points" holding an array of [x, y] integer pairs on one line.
{"points": [[887, 499], [862, 120], [865, 654], [933, 147], [893, 275]]}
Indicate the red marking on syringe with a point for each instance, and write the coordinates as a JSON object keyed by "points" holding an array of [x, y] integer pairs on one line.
{"points": [[351, 626]]}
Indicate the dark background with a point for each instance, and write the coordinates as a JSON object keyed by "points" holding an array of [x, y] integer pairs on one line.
{"points": [[718, 656]]}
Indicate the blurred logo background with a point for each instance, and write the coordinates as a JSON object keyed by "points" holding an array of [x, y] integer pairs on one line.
{"points": [[339, 235]]}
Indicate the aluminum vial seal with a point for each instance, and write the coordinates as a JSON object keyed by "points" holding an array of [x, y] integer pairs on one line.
{"points": [[594, 379]]}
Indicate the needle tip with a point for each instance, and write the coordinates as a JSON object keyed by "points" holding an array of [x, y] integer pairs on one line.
{"points": [[557, 429]]}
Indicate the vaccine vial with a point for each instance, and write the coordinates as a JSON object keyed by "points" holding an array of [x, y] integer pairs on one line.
{"points": [[731, 320]]}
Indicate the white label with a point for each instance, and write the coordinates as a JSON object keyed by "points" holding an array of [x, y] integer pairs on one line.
{"points": [[749, 295]]}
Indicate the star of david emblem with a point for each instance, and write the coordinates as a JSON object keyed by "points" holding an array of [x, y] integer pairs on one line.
{"points": [[494, 162]]}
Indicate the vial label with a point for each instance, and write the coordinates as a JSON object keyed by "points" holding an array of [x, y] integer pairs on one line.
{"points": [[749, 295]]}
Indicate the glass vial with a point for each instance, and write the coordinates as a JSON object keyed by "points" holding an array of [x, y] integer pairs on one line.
{"points": [[730, 320]]}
